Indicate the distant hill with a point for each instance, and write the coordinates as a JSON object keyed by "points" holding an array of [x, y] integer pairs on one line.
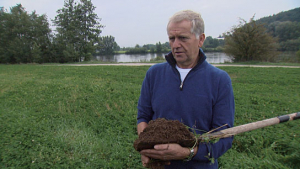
{"points": [[291, 15], [285, 26]]}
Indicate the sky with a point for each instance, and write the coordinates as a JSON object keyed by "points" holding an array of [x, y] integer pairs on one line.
{"points": [[142, 22]]}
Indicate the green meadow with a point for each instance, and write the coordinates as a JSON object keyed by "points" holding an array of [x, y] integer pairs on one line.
{"points": [[85, 116]]}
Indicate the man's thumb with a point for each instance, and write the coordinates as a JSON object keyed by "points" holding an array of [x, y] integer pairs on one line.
{"points": [[161, 147]]}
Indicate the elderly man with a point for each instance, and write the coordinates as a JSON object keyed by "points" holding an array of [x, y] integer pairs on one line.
{"points": [[189, 89]]}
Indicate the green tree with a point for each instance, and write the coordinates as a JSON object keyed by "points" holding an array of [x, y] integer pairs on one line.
{"points": [[22, 35], [287, 30], [136, 50], [286, 27], [36, 54], [250, 41], [41, 37], [291, 15], [107, 45], [152, 50], [211, 42], [166, 47], [3, 16], [158, 47], [77, 27], [15, 47]]}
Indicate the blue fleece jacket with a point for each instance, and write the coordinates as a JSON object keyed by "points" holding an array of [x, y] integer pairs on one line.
{"points": [[204, 100]]}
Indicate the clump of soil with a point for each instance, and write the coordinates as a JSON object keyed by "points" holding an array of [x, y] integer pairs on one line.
{"points": [[162, 131]]}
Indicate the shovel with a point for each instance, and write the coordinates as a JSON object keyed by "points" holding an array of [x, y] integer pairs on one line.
{"points": [[250, 126]]}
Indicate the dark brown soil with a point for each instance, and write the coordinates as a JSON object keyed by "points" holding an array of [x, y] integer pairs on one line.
{"points": [[162, 131]]}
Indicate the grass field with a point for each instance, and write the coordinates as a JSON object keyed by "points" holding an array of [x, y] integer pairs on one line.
{"points": [[85, 117]]}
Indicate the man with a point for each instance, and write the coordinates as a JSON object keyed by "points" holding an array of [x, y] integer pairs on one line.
{"points": [[187, 88]]}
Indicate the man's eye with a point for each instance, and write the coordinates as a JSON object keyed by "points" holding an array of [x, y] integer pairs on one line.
{"points": [[183, 38], [171, 39]]}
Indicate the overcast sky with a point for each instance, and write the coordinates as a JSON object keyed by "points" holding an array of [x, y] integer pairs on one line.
{"points": [[142, 22]]}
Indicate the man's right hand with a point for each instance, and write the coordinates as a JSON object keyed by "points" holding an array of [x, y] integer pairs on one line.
{"points": [[145, 160], [148, 163]]}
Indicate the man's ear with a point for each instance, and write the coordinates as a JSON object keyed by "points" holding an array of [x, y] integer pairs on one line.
{"points": [[201, 40]]}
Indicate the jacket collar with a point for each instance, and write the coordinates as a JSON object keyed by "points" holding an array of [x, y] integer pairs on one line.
{"points": [[170, 59]]}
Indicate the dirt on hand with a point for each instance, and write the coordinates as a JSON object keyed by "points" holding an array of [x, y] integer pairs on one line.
{"points": [[162, 131]]}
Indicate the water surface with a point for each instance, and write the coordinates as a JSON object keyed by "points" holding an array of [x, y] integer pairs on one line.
{"points": [[212, 57]]}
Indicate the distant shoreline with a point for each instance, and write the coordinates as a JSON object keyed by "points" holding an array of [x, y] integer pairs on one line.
{"points": [[150, 64]]}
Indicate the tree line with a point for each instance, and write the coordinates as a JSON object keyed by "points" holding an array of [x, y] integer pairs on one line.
{"points": [[148, 48], [255, 40], [285, 26], [27, 37], [210, 45]]}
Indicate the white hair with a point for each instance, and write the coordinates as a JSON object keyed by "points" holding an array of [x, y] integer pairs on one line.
{"points": [[195, 18]]}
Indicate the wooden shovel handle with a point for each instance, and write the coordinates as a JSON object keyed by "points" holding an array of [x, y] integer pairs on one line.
{"points": [[251, 126]]}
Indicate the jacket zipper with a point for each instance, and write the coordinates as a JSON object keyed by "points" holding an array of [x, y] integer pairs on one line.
{"points": [[173, 64], [181, 82]]}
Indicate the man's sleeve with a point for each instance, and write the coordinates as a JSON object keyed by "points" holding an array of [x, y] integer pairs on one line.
{"points": [[223, 113], [144, 107]]}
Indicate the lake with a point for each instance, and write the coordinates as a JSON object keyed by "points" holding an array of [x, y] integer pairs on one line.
{"points": [[212, 57]]}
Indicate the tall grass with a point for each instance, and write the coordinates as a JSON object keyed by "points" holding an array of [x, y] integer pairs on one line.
{"points": [[85, 117]]}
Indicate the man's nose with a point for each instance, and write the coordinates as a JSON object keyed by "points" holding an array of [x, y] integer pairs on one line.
{"points": [[176, 43]]}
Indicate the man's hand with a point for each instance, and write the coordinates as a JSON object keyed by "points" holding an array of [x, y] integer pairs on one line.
{"points": [[148, 163], [167, 152], [145, 160]]}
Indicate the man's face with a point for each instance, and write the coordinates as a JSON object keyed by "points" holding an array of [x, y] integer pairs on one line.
{"points": [[184, 44]]}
